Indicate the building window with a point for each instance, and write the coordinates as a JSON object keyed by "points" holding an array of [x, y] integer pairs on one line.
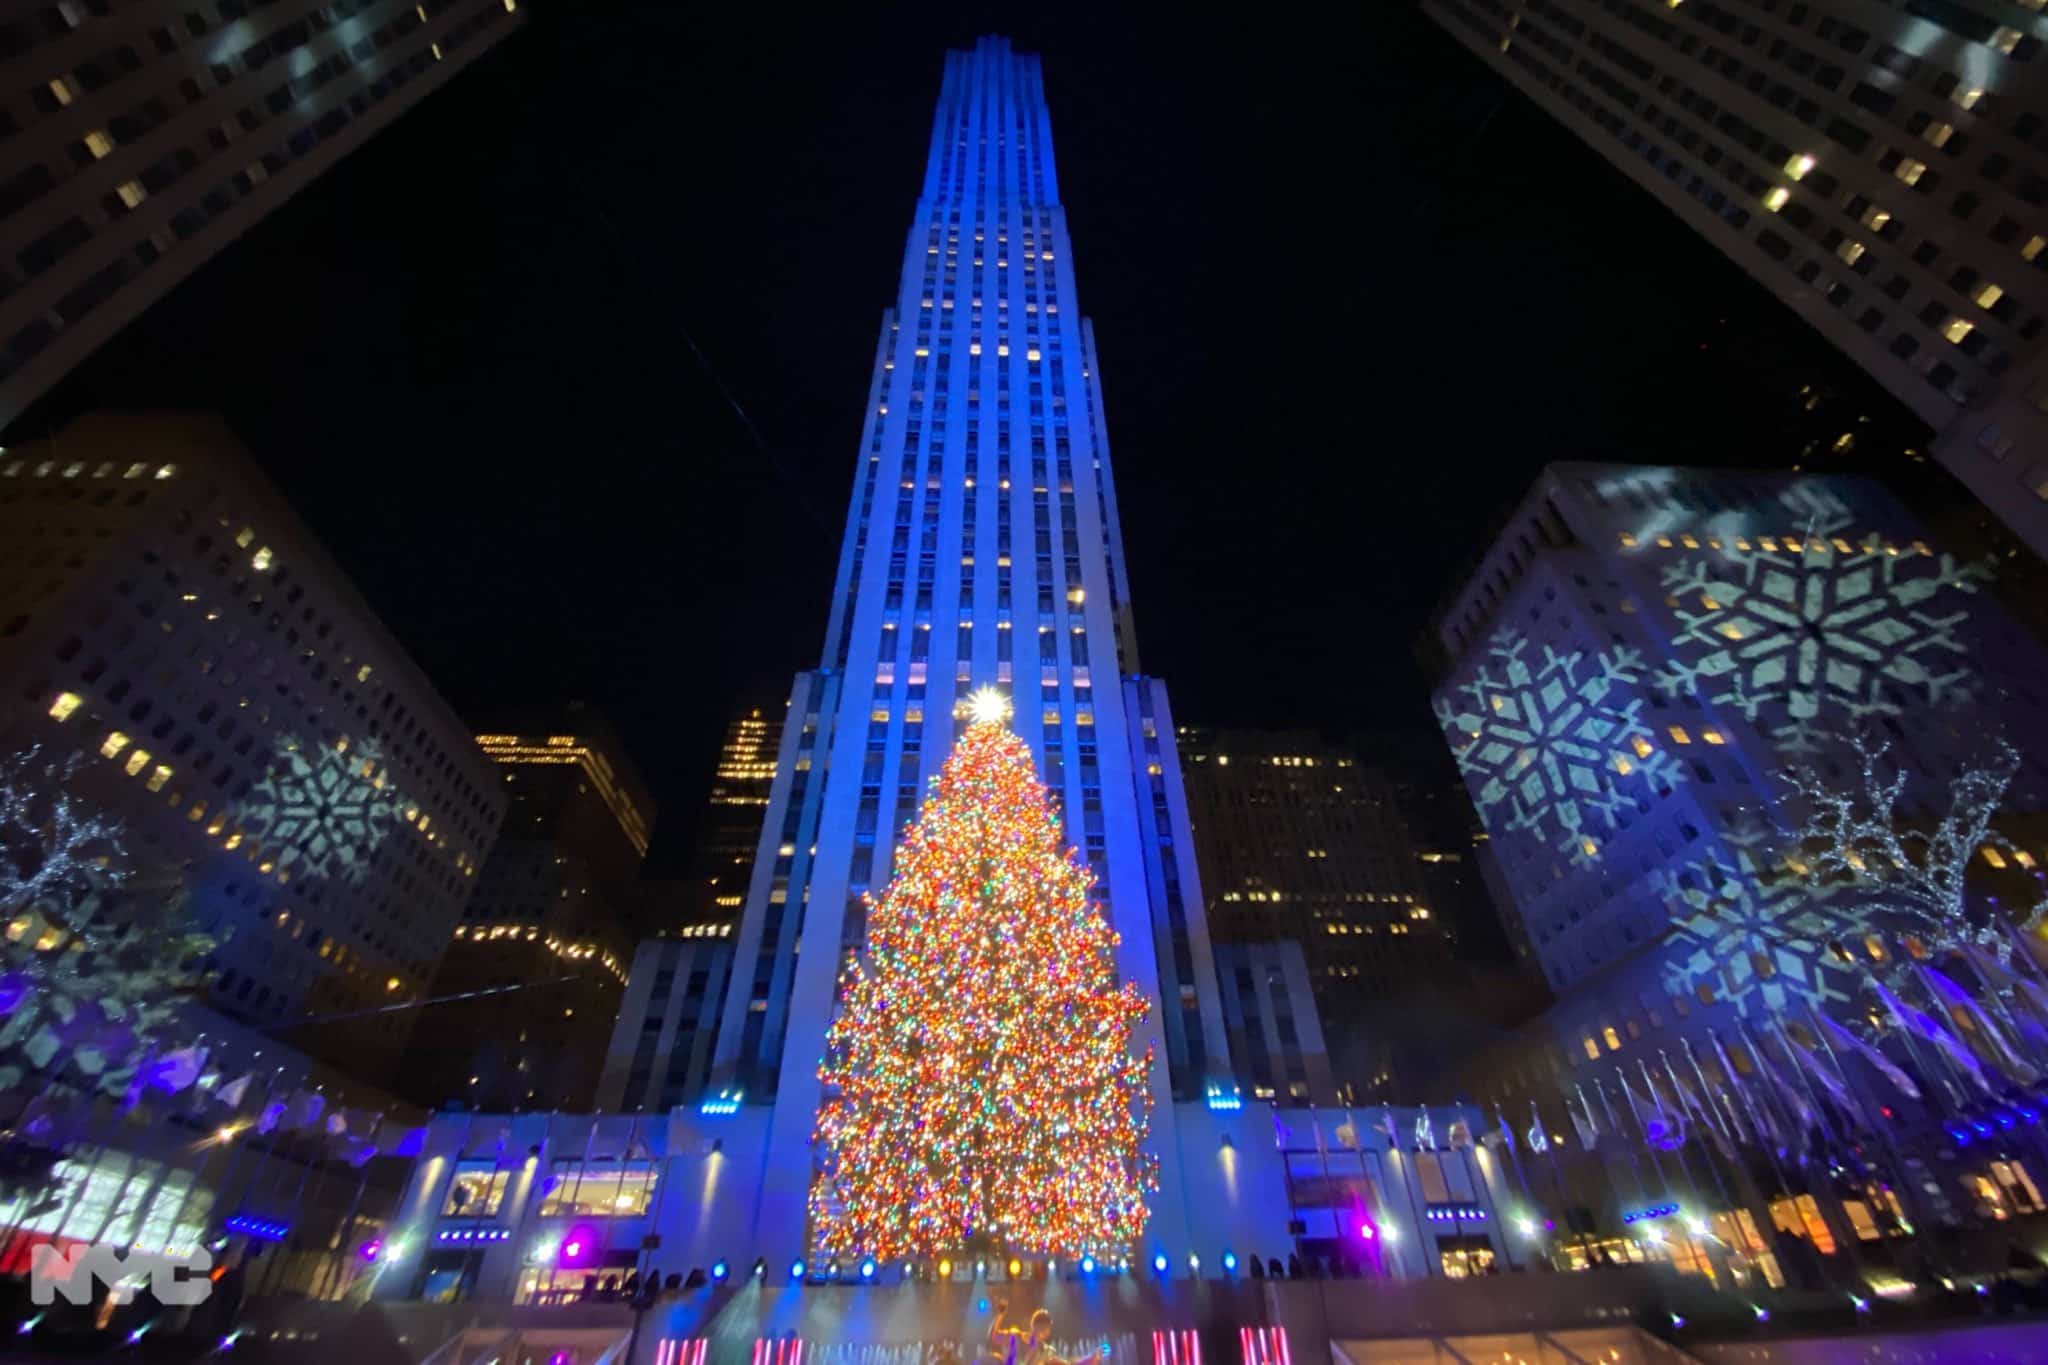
{"points": [[476, 1190]]}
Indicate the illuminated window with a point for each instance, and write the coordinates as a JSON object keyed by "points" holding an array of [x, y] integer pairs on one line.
{"points": [[1642, 746], [2023, 858], [116, 742], [1622, 765], [1875, 218], [161, 775], [1777, 198], [1967, 97], [1799, 165], [1957, 329], [2034, 246], [98, 143], [1989, 295], [1910, 170], [1732, 629], [1592, 1051], [1712, 737], [137, 761], [1613, 1039], [132, 193], [476, 1190], [61, 91], [1940, 133], [1993, 856], [1679, 736], [1851, 250], [2006, 39]]}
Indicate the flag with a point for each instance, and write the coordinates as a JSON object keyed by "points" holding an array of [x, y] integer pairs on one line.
{"points": [[1425, 1132], [306, 1108], [2003, 1053], [1539, 1141], [1393, 1134], [1459, 1134], [337, 1124], [175, 1070], [1507, 1134], [411, 1143], [1914, 1021], [1841, 1038], [1589, 1131], [235, 1090], [2033, 1005], [272, 1115], [1764, 1126], [1347, 1133]]}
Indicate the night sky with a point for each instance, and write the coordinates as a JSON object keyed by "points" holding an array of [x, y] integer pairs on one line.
{"points": [[1350, 294]]}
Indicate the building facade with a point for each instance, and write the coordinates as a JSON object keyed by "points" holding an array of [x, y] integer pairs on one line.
{"points": [[542, 950], [1297, 840], [982, 550], [1882, 168], [731, 831], [1275, 1022], [667, 1027], [142, 138], [166, 618], [1635, 664]]}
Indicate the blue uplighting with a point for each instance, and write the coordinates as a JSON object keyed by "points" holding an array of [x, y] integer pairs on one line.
{"points": [[1224, 1101], [262, 1229], [1087, 1265], [719, 1269], [724, 1102], [1159, 1262], [867, 1268], [1230, 1263], [796, 1269], [1654, 1211], [462, 1235]]}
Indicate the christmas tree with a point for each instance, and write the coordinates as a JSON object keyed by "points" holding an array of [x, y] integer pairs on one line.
{"points": [[980, 1085]]}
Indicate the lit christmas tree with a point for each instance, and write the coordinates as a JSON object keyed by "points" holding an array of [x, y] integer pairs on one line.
{"points": [[980, 1085]]}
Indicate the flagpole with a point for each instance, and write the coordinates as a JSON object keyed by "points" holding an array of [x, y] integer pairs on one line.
{"points": [[1564, 1203], [1642, 1130]]}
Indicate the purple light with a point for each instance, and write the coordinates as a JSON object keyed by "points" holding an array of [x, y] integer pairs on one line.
{"points": [[572, 1248], [371, 1249], [1365, 1231]]}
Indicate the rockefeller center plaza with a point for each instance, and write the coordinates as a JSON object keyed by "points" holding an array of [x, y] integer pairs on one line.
{"points": [[1584, 897]]}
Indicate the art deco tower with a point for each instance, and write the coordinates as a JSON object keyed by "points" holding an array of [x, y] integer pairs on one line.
{"points": [[982, 550]]}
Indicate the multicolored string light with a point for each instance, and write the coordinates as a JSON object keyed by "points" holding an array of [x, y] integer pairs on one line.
{"points": [[979, 1083]]}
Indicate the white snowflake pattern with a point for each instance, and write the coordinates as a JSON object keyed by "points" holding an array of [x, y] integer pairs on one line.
{"points": [[1756, 933], [1549, 744], [324, 814], [1807, 632]]}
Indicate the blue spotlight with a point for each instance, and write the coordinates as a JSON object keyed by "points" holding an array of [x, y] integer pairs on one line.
{"points": [[1159, 1263], [1087, 1265], [867, 1268], [1229, 1262], [760, 1267], [796, 1268], [719, 1269]]}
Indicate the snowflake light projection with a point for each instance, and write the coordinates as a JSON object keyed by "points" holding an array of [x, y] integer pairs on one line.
{"points": [[323, 812], [1806, 632], [1544, 746], [1756, 932]]}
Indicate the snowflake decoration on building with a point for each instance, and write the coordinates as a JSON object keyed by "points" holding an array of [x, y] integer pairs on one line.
{"points": [[1813, 628], [1756, 933], [1546, 745], [324, 814]]}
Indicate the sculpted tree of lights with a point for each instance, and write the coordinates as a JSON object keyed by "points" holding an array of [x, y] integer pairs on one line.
{"points": [[1756, 931], [1907, 876], [96, 965], [1547, 747], [322, 811], [1803, 631], [980, 1085]]}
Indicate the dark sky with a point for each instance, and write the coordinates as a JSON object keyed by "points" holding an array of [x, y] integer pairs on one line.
{"points": [[1350, 295]]}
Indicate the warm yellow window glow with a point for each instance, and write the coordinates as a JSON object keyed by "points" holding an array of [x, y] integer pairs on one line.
{"points": [[1592, 1051], [2023, 858], [98, 143], [1910, 170], [1989, 295], [1613, 1039], [1622, 765], [61, 90], [1968, 97], [66, 703], [2034, 246], [1777, 198], [1851, 250], [1589, 848], [158, 777], [1732, 630], [1958, 328], [1993, 856], [1940, 133], [114, 744], [1679, 736], [1712, 737], [137, 761], [1642, 746], [1875, 219], [1799, 165]]}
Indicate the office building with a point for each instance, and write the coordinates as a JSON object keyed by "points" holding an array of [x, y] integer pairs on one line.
{"points": [[549, 916], [1276, 1031], [982, 550], [1296, 840], [142, 138], [731, 828], [1883, 169], [237, 705], [661, 1045]]}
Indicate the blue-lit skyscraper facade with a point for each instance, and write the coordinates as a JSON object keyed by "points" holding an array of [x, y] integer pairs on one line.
{"points": [[981, 550]]}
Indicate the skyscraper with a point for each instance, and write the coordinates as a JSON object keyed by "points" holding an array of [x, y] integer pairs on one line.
{"points": [[1882, 168], [269, 747], [145, 137], [981, 550], [1636, 661], [731, 828], [549, 914]]}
